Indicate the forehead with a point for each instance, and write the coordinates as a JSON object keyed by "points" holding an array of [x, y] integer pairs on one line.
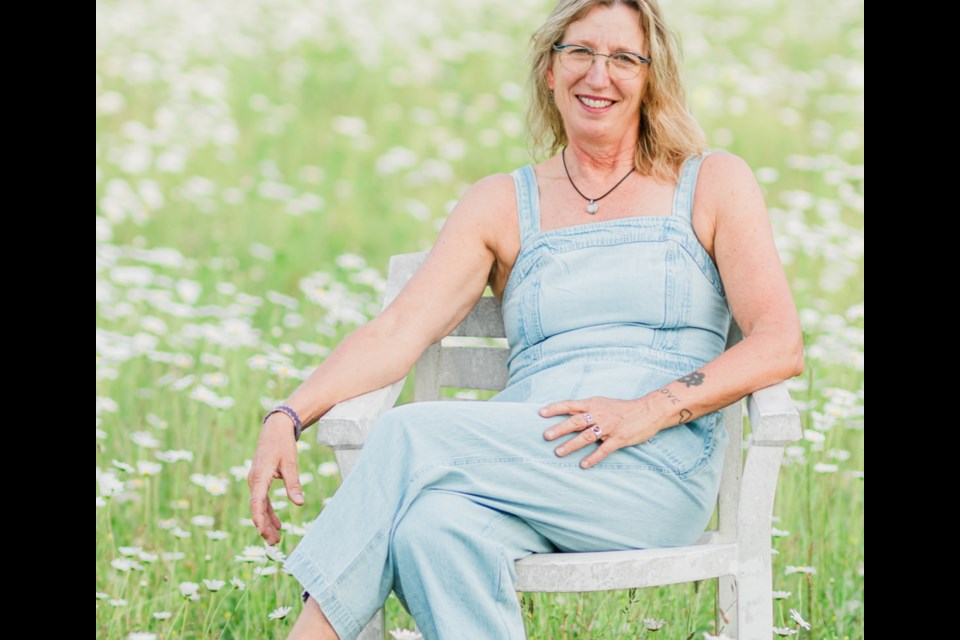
{"points": [[613, 28]]}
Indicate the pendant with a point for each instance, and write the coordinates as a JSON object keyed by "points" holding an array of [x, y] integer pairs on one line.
{"points": [[592, 207]]}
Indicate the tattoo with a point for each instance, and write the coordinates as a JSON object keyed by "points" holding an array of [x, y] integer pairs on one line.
{"points": [[692, 379], [673, 399], [685, 415]]}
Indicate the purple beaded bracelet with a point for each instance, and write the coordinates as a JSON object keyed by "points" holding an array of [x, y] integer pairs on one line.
{"points": [[297, 425]]}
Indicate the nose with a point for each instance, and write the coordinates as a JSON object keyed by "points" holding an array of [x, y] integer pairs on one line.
{"points": [[598, 75]]}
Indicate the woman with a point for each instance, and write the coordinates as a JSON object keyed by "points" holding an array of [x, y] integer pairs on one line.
{"points": [[618, 262]]}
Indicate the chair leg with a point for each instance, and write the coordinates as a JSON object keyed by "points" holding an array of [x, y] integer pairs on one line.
{"points": [[727, 606], [754, 604], [376, 628]]}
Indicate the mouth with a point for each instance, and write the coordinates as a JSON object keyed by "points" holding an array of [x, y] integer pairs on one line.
{"points": [[595, 104]]}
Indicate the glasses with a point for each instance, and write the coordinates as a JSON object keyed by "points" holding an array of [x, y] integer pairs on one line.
{"points": [[623, 65]]}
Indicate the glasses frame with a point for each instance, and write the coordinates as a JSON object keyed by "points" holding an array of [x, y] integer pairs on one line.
{"points": [[560, 48]]}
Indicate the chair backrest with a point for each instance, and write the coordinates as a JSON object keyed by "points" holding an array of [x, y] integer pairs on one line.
{"points": [[474, 356]]}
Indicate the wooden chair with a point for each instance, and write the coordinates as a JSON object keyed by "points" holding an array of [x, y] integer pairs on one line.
{"points": [[737, 553]]}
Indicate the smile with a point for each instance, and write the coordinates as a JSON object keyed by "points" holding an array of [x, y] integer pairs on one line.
{"points": [[594, 103]]}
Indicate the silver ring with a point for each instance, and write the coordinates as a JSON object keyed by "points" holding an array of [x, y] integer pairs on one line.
{"points": [[597, 431], [589, 418]]}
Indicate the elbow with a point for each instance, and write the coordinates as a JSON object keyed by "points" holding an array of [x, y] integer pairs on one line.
{"points": [[795, 358]]}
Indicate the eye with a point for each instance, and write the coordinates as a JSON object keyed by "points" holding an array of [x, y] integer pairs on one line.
{"points": [[626, 60], [579, 52]]}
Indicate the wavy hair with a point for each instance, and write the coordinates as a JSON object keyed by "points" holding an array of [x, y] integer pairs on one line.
{"points": [[668, 133]]}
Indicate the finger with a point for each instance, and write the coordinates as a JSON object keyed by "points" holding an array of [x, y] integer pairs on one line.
{"points": [[563, 406], [274, 519], [291, 478], [582, 439], [259, 505], [261, 518], [606, 448], [575, 422]]}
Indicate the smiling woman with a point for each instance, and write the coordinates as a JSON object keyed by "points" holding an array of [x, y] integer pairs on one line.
{"points": [[616, 314]]}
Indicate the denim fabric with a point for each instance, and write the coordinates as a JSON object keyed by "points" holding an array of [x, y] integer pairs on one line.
{"points": [[446, 495]]}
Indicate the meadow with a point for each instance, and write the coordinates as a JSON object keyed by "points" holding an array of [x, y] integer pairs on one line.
{"points": [[257, 164]]}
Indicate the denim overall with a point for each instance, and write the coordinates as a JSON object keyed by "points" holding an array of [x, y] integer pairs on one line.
{"points": [[446, 495]]}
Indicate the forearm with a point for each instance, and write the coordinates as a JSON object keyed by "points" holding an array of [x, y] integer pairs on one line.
{"points": [[371, 357], [755, 362]]}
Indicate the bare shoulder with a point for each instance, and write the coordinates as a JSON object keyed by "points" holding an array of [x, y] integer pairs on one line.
{"points": [[488, 205], [728, 188]]}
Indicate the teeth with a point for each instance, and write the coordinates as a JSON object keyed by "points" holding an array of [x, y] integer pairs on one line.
{"points": [[596, 104]]}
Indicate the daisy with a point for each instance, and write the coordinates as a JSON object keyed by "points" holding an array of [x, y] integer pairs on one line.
{"points": [[405, 634], [214, 585], [796, 616], [652, 624], [280, 613]]}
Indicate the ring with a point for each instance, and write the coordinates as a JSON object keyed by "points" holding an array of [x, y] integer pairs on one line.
{"points": [[597, 431], [589, 418]]}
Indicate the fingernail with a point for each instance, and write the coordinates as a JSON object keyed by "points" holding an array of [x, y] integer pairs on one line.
{"points": [[561, 450], [549, 435], [542, 411]]}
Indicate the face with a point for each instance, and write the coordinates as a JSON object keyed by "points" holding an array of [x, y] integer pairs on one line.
{"points": [[603, 29]]}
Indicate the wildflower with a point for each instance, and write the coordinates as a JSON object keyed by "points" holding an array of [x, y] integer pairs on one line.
{"points": [[274, 553], [216, 535], [796, 616], [652, 624], [328, 469], [280, 613], [405, 634], [795, 569], [785, 631], [189, 589], [148, 468], [162, 615], [782, 595], [238, 583], [201, 521], [141, 635], [214, 585]]}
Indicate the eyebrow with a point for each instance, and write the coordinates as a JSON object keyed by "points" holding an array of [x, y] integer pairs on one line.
{"points": [[593, 45]]}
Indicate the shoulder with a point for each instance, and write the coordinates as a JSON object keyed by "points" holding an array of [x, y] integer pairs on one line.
{"points": [[726, 184], [486, 207]]}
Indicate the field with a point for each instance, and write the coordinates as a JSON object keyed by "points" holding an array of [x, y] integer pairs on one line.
{"points": [[257, 164]]}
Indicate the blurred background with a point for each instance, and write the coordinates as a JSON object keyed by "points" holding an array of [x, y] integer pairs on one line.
{"points": [[258, 161]]}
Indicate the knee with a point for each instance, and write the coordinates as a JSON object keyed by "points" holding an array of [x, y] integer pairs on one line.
{"points": [[430, 516]]}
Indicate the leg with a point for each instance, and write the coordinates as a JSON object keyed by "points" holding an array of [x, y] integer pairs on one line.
{"points": [[453, 561], [495, 452], [312, 624]]}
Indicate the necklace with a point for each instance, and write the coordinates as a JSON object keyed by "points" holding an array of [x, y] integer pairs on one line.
{"points": [[592, 206]]}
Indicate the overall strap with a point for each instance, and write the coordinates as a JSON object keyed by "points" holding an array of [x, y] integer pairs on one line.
{"points": [[687, 186], [528, 203]]}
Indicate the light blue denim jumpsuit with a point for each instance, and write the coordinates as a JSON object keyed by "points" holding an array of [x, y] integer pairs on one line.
{"points": [[446, 495]]}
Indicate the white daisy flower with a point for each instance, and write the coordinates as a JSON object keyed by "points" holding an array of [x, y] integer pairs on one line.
{"points": [[280, 613]]}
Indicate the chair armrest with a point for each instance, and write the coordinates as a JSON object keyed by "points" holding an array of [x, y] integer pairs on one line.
{"points": [[347, 423], [774, 419]]}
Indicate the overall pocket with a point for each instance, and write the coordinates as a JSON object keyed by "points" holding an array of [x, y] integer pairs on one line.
{"points": [[685, 447]]}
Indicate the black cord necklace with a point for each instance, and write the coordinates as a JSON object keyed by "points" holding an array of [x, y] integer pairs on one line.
{"points": [[592, 206]]}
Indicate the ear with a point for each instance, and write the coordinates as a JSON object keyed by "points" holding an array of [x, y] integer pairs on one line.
{"points": [[550, 77]]}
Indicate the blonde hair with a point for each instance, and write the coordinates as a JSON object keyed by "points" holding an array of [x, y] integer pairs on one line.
{"points": [[668, 133]]}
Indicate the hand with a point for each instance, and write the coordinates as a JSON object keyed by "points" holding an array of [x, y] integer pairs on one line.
{"points": [[624, 423], [275, 457]]}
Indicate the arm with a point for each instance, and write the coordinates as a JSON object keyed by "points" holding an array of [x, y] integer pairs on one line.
{"points": [[758, 295], [435, 300]]}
